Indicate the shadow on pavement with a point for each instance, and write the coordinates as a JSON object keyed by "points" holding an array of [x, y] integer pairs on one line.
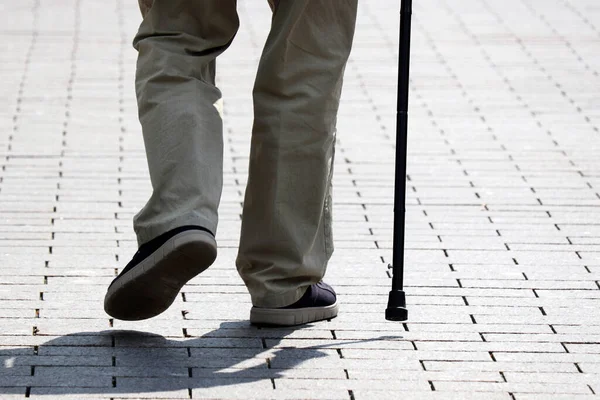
{"points": [[131, 362]]}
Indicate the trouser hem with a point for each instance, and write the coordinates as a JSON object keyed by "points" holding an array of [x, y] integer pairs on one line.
{"points": [[279, 300], [145, 234]]}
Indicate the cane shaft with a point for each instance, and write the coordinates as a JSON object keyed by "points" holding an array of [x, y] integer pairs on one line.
{"points": [[396, 309], [401, 148]]}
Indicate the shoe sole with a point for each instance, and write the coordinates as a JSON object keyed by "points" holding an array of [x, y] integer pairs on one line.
{"points": [[150, 287], [292, 316]]}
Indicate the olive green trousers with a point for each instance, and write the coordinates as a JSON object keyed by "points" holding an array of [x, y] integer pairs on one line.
{"points": [[286, 238]]}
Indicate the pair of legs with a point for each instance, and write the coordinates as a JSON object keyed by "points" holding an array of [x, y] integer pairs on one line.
{"points": [[286, 238]]}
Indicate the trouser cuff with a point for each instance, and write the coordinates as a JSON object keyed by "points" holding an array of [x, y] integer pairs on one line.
{"points": [[280, 299], [150, 231]]}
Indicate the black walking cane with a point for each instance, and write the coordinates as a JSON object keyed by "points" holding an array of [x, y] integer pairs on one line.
{"points": [[396, 309]]}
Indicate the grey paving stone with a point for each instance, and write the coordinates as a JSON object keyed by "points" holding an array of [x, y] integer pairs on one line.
{"points": [[546, 347], [384, 395], [203, 384], [13, 392], [530, 284], [533, 396], [351, 384], [235, 393], [55, 381], [585, 348], [545, 357], [108, 393], [86, 360], [547, 388], [550, 377], [557, 337], [11, 370], [490, 365], [590, 367], [575, 294], [340, 344], [425, 376]]}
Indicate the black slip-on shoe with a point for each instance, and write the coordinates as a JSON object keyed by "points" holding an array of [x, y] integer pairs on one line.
{"points": [[318, 303], [148, 285]]}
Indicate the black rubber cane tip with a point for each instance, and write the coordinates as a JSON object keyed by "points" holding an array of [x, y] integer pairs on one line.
{"points": [[396, 309], [396, 314]]}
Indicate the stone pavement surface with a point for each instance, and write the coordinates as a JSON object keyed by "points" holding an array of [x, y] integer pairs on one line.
{"points": [[503, 227]]}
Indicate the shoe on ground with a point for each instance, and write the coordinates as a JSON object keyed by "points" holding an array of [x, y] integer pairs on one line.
{"points": [[317, 304], [151, 281]]}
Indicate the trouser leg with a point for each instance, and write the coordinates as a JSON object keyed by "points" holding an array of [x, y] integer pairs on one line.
{"points": [[179, 110], [286, 237]]}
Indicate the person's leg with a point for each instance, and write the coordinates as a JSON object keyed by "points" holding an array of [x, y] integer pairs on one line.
{"points": [[179, 109], [286, 237]]}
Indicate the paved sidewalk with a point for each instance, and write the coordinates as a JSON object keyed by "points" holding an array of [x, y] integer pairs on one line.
{"points": [[503, 215]]}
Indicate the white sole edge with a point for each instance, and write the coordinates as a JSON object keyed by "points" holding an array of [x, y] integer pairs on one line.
{"points": [[291, 317]]}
